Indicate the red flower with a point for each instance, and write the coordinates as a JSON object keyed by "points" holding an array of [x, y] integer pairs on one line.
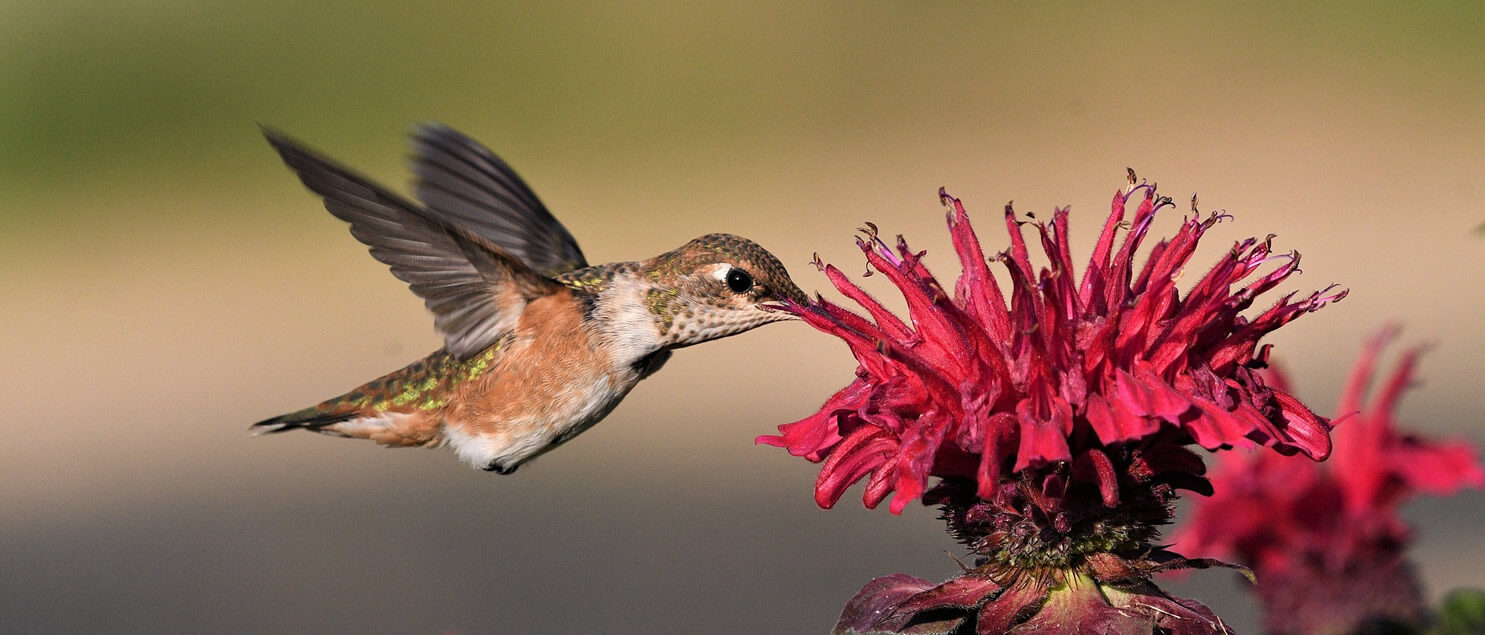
{"points": [[1059, 424], [978, 389], [1326, 540]]}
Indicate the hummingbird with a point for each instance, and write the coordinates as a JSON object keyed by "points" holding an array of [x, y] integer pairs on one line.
{"points": [[538, 345]]}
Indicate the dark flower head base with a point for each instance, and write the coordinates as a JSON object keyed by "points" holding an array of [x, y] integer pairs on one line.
{"points": [[975, 603], [1059, 424]]}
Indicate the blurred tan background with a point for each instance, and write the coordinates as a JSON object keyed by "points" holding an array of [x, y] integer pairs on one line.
{"points": [[164, 281]]}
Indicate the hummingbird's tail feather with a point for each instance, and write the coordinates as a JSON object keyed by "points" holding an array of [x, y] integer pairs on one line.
{"points": [[311, 418], [389, 428]]}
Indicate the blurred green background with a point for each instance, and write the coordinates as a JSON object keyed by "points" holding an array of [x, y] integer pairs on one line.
{"points": [[164, 281]]}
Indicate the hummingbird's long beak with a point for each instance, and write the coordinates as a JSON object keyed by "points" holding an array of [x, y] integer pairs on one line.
{"points": [[791, 306]]}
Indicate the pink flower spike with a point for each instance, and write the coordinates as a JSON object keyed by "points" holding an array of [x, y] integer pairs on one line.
{"points": [[1326, 539], [1054, 423], [1144, 365]]}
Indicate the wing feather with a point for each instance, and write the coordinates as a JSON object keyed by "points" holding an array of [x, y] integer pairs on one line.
{"points": [[463, 183], [463, 278]]}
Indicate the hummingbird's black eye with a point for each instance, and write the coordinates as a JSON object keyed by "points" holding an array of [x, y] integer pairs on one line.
{"points": [[738, 280]]}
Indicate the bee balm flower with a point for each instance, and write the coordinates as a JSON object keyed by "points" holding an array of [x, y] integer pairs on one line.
{"points": [[1058, 420], [1327, 541]]}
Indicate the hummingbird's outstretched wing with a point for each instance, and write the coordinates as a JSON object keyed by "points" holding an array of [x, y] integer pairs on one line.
{"points": [[463, 183], [463, 279]]}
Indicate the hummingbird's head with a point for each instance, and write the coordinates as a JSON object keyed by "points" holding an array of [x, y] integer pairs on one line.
{"points": [[717, 285]]}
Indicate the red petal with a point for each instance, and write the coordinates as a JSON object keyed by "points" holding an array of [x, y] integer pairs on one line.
{"points": [[1043, 440], [1095, 466], [818, 432], [976, 287], [863, 450], [1094, 278], [1116, 422], [1164, 402], [1304, 430], [1216, 427], [886, 320], [999, 429], [1439, 468]]}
